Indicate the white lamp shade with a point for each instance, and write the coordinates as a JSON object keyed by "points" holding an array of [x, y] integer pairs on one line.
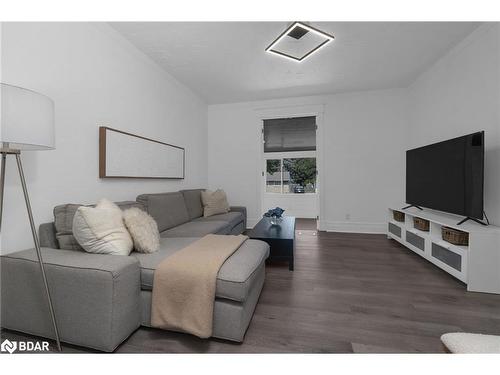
{"points": [[27, 119]]}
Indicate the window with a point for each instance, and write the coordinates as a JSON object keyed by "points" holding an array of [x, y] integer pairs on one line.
{"points": [[290, 153], [273, 176], [291, 175]]}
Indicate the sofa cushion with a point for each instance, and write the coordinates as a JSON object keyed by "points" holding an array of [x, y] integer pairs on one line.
{"points": [[168, 209], [232, 218], [143, 229], [192, 198], [101, 229], [214, 202], [63, 222], [197, 229], [235, 278], [149, 262]]}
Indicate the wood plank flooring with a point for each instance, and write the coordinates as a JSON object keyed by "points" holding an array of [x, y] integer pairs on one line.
{"points": [[349, 293]]}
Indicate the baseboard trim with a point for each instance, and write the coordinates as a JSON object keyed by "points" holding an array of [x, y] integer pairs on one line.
{"points": [[353, 227], [341, 226]]}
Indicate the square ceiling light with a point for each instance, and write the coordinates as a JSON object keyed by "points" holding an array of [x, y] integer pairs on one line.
{"points": [[299, 41]]}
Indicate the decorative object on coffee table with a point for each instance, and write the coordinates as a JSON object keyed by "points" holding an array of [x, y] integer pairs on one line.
{"points": [[27, 124], [275, 215], [280, 237]]}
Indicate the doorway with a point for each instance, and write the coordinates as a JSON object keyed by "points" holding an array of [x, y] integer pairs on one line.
{"points": [[290, 169]]}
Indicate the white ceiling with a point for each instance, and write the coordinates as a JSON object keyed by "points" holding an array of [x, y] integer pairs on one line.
{"points": [[225, 61]]}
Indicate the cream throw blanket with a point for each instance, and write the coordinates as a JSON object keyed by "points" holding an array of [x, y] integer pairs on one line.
{"points": [[184, 285]]}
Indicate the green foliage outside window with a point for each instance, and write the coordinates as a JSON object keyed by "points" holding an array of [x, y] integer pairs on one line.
{"points": [[273, 166], [302, 171]]}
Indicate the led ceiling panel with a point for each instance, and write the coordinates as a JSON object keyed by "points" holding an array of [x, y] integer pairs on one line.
{"points": [[299, 41]]}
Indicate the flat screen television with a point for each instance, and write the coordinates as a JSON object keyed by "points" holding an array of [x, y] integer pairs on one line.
{"points": [[448, 176]]}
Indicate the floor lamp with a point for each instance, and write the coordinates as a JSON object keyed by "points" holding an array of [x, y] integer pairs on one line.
{"points": [[27, 123]]}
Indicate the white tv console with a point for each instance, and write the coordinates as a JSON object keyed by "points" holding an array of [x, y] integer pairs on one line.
{"points": [[477, 265]]}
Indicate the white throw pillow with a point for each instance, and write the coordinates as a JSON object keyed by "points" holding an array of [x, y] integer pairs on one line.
{"points": [[214, 202], [101, 230], [143, 229]]}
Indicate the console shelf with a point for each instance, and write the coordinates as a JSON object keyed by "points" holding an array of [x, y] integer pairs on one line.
{"points": [[477, 265]]}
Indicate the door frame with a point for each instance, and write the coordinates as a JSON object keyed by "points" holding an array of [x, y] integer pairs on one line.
{"points": [[316, 110]]}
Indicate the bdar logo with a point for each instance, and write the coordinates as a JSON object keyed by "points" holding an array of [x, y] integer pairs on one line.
{"points": [[8, 346], [24, 346]]}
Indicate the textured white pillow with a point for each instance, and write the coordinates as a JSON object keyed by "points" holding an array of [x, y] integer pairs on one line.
{"points": [[101, 230], [143, 229], [214, 202]]}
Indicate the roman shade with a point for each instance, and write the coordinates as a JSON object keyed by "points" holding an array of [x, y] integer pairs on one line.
{"points": [[290, 134]]}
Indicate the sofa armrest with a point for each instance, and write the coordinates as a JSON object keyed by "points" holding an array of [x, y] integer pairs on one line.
{"points": [[47, 234], [241, 209], [96, 297]]}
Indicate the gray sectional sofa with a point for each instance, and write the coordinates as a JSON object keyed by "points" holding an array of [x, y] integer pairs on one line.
{"points": [[99, 300]]}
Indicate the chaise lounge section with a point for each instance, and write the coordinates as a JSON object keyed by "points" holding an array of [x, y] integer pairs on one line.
{"points": [[100, 300], [180, 214]]}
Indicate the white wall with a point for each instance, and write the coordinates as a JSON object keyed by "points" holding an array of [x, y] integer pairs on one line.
{"points": [[366, 134], [95, 78], [98, 78], [460, 95], [363, 142]]}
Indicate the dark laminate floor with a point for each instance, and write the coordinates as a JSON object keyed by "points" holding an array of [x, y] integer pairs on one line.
{"points": [[348, 293]]}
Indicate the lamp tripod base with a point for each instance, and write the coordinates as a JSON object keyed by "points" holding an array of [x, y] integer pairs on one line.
{"points": [[4, 152]]}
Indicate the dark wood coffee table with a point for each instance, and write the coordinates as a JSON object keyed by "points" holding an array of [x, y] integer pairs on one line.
{"points": [[280, 238]]}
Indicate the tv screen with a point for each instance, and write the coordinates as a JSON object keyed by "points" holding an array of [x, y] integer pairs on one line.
{"points": [[448, 176]]}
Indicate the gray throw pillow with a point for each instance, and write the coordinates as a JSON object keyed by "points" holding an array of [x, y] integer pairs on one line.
{"points": [[214, 202]]}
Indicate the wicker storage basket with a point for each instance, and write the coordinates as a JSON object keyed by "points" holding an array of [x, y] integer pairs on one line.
{"points": [[421, 224], [398, 216], [454, 236]]}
